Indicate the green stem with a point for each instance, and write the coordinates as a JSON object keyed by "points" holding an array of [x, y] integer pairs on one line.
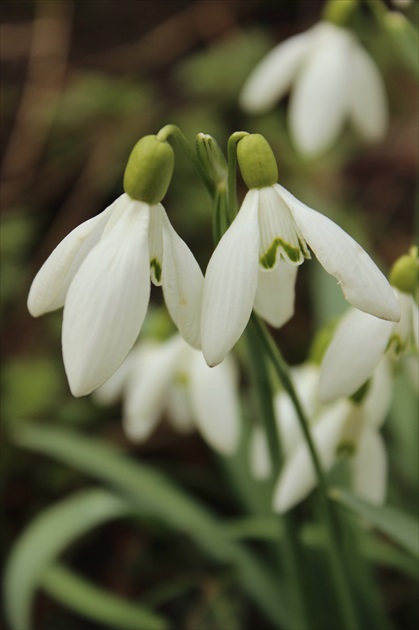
{"points": [[336, 555], [292, 547], [172, 132], [378, 9], [339, 12], [219, 224], [232, 168], [264, 397]]}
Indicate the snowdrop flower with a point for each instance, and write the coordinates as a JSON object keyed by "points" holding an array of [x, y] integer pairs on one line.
{"points": [[346, 428], [255, 262], [305, 379], [101, 271], [361, 340], [173, 377], [332, 79]]}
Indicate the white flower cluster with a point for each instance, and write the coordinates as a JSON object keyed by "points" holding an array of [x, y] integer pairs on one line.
{"points": [[101, 272], [346, 401], [343, 428], [172, 377]]}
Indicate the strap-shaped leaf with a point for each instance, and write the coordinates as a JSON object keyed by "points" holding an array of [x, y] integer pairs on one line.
{"points": [[149, 492], [399, 526], [45, 538], [89, 600]]}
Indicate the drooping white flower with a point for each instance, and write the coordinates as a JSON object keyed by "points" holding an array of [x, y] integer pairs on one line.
{"points": [[332, 79], [344, 428], [255, 262], [100, 273], [305, 379], [172, 377], [360, 341]]}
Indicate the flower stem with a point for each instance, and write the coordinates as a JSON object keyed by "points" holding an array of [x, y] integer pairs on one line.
{"points": [[292, 548], [232, 169], [336, 555], [172, 131]]}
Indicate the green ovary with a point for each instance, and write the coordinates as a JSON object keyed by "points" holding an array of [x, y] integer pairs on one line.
{"points": [[269, 257]]}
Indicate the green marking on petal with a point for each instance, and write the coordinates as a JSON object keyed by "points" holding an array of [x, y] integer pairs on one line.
{"points": [[156, 268], [346, 449], [358, 396], [396, 346], [269, 257], [182, 378]]}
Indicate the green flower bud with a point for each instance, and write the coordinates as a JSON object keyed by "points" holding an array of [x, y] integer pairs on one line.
{"points": [[212, 159], [149, 170], [338, 12], [404, 273], [257, 161]]}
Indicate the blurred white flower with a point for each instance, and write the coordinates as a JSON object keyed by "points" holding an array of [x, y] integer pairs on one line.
{"points": [[342, 429], [332, 79], [305, 379], [172, 377], [100, 273], [359, 344], [254, 266], [402, 4]]}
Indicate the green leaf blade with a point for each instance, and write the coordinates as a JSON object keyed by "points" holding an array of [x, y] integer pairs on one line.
{"points": [[399, 526], [44, 539], [83, 597]]}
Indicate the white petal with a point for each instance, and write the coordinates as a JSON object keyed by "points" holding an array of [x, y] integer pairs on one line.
{"points": [[51, 283], [260, 460], [403, 332], [378, 399], [275, 294], [367, 98], [148, 389], [214, 400], [178, 408], [107, 302], [182, 282], [112, 389], [362, 283], [230, 283], [357, 347], [278, 231], [306, 382], [319, 101], [369, 468], [297, 477], [272, 77]]}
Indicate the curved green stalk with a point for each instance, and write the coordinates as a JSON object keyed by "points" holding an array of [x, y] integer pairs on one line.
{"points": [[173, 132], [292, 547], [336, 555], [232, 169]]}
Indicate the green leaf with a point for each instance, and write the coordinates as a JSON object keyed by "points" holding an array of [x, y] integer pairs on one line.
{"points": [[404, 37], [92, 602], [150, 493], [399, 526], [44, 539]]}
